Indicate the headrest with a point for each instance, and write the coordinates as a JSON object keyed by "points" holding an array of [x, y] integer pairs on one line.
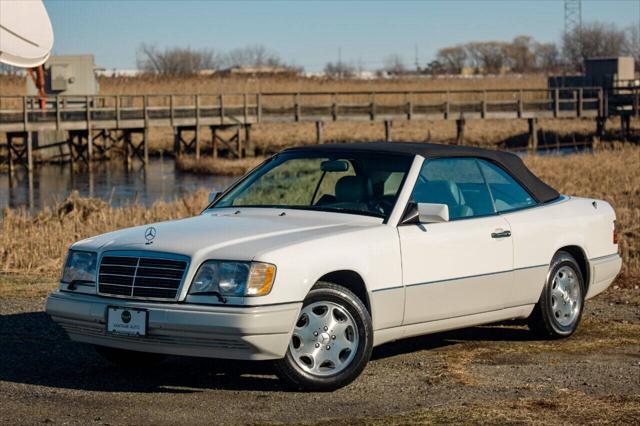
{"points": [[352, 189], [439, 191]]}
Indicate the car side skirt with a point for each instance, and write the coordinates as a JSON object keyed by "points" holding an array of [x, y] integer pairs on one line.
{"points": [[411, 330]]}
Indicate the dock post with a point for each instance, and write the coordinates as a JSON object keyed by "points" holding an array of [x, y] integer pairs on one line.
{"points": [[248, 142], [447, 107], [89, 138], [319, 129], [388, 124], [372, 106], [601, 127], [177, 146], [10, 153], [214, 141], [580, 102], [145, 134], [127, 149], [334, 107], [197, 134], [483, 104], [533, 135], [625, 126], [460, 123], [29, 141]]}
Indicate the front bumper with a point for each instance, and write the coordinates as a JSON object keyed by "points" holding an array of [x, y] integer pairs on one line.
{"points": [[249, 333]]}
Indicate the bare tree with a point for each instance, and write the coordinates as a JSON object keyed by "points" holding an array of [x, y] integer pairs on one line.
{"points": [[632, 43], [487, 56], [393, 64], [253, 56], [451, 59], [176, 60], [520, 54], [594, 39], [547, 57], [339, 70]]}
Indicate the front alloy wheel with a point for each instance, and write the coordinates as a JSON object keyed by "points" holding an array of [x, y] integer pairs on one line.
{"points": [[331, 341]]}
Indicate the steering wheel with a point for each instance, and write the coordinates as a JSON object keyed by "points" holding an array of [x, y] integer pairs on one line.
{"points": [[381, 206]]}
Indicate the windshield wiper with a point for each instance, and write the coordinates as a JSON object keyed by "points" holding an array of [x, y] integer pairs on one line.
{"points": [[220, 297]]}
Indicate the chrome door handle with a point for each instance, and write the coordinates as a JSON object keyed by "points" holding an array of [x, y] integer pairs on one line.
{"points": [[500, 234]]}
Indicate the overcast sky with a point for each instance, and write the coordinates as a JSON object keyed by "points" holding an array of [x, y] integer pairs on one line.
{"points": [[308, 33]]}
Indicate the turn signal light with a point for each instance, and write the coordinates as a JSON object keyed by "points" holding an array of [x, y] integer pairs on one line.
{"points": [[261, 278]]}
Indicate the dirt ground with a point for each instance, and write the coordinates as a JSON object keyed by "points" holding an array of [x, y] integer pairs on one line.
{"points": [[491, 374]]}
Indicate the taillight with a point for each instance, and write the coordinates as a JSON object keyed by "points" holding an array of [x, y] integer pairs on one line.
{"points": [[615, 232]]}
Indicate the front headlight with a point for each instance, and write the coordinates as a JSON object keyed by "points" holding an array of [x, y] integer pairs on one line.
{"points": [[80, 268], [228, 278]]}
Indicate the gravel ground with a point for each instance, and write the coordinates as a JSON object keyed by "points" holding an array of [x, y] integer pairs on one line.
{"points": [[489, 374]]}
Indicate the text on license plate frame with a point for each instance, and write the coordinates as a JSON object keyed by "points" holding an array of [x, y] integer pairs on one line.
{"points": [[136, 325]]}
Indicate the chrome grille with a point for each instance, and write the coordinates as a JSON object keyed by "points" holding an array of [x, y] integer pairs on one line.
{"points": [[140, 276]]}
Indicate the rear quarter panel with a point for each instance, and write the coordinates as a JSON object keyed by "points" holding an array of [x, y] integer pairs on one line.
{"points": [[538, 233]]}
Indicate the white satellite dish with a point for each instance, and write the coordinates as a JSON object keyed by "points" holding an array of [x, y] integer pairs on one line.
{"points": [[26, 35]]}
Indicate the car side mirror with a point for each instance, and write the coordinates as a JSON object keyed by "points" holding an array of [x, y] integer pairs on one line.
{"points": [[213, 195], [433, 213], [426, 213]]}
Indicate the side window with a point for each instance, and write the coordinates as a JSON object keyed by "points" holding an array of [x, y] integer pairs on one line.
{"points": [[456, 182], [507, 193]]}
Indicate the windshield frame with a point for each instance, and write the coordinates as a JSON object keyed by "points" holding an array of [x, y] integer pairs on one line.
{"points": [[316, 154]]}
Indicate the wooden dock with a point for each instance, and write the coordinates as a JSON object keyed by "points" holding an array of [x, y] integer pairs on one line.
{"points": [[93, 124]]}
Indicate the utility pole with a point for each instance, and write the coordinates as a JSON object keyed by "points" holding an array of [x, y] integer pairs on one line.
{"points": [[573, 19], [417, 59]]}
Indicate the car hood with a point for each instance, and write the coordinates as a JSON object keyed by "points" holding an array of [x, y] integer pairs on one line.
{"points": [[237, 234]]}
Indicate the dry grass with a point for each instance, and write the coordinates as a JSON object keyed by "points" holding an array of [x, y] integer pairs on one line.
{"points": [[219, 166], [213, 84], [149, 85], [37, 243], [559, 408]]}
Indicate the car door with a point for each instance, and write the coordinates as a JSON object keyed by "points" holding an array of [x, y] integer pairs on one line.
{"points": [[463, 266]]}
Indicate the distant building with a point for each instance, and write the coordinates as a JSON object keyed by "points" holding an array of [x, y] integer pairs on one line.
{"points": [[262, 70]]}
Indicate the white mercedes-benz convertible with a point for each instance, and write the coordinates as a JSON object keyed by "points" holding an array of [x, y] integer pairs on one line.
{"points": [[323, 252]]}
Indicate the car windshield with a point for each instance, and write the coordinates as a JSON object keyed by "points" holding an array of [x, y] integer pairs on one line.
{"points": [[357, 183]]}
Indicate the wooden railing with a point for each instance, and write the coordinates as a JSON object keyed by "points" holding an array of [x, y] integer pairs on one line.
{"points": [[22, 113]]}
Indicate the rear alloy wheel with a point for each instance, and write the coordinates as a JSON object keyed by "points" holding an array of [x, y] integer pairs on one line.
{"points": [[559, 309], [331, 341]]}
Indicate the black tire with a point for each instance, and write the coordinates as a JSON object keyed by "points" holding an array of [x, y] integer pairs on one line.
{"points": [[129, 359], [297, 378], [543, 321]]}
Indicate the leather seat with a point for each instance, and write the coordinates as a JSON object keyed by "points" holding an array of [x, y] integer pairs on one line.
{"points": [[443, 192], [351, 189]]}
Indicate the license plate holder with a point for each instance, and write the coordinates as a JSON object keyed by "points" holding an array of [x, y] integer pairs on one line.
{"points": [[127, 321]]}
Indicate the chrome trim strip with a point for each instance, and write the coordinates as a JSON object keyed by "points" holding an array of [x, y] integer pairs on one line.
{"points": [[148, 255], [459, 278], [462, 278], [140, 276], [387, 288], [601, 258]]}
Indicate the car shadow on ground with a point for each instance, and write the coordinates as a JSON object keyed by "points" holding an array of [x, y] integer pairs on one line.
{"points": [[34, 350]]}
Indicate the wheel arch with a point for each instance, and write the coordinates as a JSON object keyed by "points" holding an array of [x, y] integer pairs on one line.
{"points": [[583, 262], [351, 280]]}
